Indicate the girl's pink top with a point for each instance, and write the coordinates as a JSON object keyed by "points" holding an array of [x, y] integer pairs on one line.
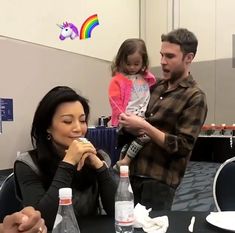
{"points": [[120, 93]]}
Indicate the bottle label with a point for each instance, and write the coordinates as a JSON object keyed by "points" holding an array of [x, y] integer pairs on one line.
{"points": [[65, 201], [124, 174], [124, 213]]}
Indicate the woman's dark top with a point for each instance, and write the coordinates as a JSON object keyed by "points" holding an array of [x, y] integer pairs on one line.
{"points": [[86, 192]]}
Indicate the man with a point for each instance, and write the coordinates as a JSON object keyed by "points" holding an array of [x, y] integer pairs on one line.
{"points": [[175, 115], [27, 220]]}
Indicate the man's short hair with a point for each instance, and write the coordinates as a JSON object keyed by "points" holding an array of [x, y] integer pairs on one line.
{"points": [[184, 38]]}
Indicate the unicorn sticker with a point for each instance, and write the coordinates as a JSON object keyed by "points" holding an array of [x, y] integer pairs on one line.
{"points": [[68, 30]]}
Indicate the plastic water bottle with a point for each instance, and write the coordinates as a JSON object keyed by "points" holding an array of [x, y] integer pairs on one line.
{"points": [[124, 203], [65, 219]]}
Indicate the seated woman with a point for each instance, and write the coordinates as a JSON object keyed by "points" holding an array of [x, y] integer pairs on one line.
{"points": [[61, 158]]}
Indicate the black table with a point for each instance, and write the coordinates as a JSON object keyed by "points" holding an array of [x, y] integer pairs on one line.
{"points": [[178, 223]]}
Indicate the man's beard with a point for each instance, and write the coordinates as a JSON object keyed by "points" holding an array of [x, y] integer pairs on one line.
{"points": [[175, 76]]}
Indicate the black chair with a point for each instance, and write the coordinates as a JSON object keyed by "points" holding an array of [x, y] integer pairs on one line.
{"points": [[224, 186], [8, 201]]}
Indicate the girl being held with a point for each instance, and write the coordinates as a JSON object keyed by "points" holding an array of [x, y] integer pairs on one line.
{"points": [[129, 91]]}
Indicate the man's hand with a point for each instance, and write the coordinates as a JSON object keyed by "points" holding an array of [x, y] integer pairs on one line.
{"points": [[27, 220], [132, 123]]}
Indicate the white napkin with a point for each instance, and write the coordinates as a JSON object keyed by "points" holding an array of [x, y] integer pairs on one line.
{"points": [[150, 225]]}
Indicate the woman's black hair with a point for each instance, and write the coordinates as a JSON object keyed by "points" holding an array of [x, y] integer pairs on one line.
{"points": [[44, 154]]}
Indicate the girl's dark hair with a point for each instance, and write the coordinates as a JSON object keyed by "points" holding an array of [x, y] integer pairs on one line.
{"points": [[128, 47], [45, 155]]}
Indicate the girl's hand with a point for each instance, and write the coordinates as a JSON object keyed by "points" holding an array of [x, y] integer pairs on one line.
{"points": [[76, 150]]}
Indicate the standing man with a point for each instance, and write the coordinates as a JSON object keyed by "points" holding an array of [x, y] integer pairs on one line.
{"points": [[175, 115]]}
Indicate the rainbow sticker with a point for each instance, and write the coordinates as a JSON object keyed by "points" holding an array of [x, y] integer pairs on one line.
{"points": [[88, 26]]}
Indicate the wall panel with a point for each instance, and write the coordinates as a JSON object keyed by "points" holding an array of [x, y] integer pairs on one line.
{"points": [[225, 72]]}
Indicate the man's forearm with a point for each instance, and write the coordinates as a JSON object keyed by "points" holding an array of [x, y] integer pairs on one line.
{"points": [[154, 133]]}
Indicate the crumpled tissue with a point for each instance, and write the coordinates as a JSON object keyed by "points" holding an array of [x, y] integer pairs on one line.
{"points": [[150, 225]]}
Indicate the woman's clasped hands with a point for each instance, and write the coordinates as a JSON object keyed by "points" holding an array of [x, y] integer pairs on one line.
{"points": [[82, 151]]}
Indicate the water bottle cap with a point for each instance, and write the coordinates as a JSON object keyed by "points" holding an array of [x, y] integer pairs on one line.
{"points": [[65, 193], [124, 169]]}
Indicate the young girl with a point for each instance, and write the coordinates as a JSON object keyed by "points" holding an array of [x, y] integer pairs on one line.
{"points": [[129, 90]]}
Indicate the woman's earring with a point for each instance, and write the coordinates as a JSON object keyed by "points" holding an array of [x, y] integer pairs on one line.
{"points": [[48, 137]]}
